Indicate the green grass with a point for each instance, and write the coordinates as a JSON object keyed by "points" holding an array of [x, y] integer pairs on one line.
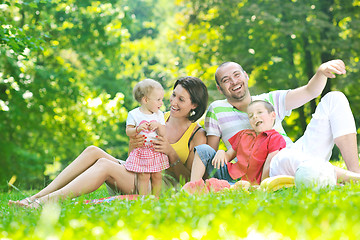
{"points": [[285, 214]]}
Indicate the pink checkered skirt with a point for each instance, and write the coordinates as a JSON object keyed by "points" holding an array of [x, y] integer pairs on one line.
{"points": [[146, 159]]}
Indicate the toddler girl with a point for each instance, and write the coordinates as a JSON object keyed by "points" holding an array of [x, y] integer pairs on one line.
{"points": [[149, 121]]}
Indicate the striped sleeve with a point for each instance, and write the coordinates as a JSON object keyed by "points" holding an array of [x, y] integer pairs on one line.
{"points": [[211, 122]]}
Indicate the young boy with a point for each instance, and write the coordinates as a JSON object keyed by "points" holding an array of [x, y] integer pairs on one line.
{"points": [[254, 149]]}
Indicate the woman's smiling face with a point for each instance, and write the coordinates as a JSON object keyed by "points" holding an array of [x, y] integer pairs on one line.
{"points": [[180, 102]]}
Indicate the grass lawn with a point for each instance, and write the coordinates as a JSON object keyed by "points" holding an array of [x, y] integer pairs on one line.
{"points": [[332, 213], [285, 214]]}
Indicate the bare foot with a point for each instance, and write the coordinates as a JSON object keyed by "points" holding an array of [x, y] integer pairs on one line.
{"points": [[35, 204], [21, 203]]}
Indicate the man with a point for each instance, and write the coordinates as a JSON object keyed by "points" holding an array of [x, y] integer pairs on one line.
{"points": [[332, 123]]}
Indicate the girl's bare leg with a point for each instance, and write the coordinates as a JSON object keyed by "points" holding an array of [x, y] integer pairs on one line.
{"points": [[85, 160], [143, 183], [156, 182], [104, 170]]}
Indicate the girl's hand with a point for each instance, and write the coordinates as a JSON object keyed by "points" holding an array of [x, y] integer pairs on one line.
{"points": [[153, 125], [142, 127], [220, 159], [162, 145]]}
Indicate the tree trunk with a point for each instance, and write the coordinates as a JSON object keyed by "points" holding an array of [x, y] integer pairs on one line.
{"points": [[325, 7]]}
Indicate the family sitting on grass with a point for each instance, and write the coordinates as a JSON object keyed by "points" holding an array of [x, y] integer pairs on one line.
{"points": [[191, 153]]}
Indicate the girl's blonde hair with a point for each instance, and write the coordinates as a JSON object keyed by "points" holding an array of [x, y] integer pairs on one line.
{"points": [[144, 88]]}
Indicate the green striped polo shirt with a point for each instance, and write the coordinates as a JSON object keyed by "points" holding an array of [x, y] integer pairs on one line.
{"points": [[224, 120]]}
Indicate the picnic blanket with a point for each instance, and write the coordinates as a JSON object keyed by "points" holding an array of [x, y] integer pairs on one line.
{"points": [[110, 199]]}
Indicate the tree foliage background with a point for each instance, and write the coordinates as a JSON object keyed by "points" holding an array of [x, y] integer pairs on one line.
{"points": [[67, 68]]}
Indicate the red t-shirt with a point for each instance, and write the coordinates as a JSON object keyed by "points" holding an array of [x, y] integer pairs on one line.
{"points": [[252, 151]]}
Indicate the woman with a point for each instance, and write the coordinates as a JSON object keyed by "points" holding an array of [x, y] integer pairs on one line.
{"points": [[94, 166]]}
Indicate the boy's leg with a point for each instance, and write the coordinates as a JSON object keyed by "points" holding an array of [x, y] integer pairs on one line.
{"points": [[156, 181], [143, 183], [331, 123]]}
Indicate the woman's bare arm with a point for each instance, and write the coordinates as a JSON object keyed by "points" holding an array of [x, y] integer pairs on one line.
{"points": [[198, 139], [177, 167]]}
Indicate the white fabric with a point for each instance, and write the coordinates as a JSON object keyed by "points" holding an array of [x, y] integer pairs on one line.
{"points": [[315, 175], [136, 117], [287, 161], [332, 118]]}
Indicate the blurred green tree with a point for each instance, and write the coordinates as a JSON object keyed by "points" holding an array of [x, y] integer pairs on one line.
{"points": [[279, 43], [68, 68]]}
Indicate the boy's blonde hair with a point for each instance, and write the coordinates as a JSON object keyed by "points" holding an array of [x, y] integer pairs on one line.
{"points": [[144, 88]]}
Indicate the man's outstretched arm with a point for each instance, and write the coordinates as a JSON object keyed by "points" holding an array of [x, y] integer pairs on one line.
{"points": [[299, 96]]}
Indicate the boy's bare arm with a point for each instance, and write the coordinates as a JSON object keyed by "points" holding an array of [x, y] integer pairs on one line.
{"points": [[231, 154], [266, 167]]}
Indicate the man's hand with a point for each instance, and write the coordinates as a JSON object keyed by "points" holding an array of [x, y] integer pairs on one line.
{"points": [[301, 95], [330, 68]]}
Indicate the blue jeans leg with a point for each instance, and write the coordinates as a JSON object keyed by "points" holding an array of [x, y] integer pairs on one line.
{"points": [[206, 154]]}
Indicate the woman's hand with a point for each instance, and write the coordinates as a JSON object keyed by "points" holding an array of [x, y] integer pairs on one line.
{"points": [[137, 141], [162, 145]]}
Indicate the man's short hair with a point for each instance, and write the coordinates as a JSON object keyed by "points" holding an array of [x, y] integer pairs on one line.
{"points": [[223, 65]]}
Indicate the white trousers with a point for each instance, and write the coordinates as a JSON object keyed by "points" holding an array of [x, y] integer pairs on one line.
{"points": [[332, 118]]}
